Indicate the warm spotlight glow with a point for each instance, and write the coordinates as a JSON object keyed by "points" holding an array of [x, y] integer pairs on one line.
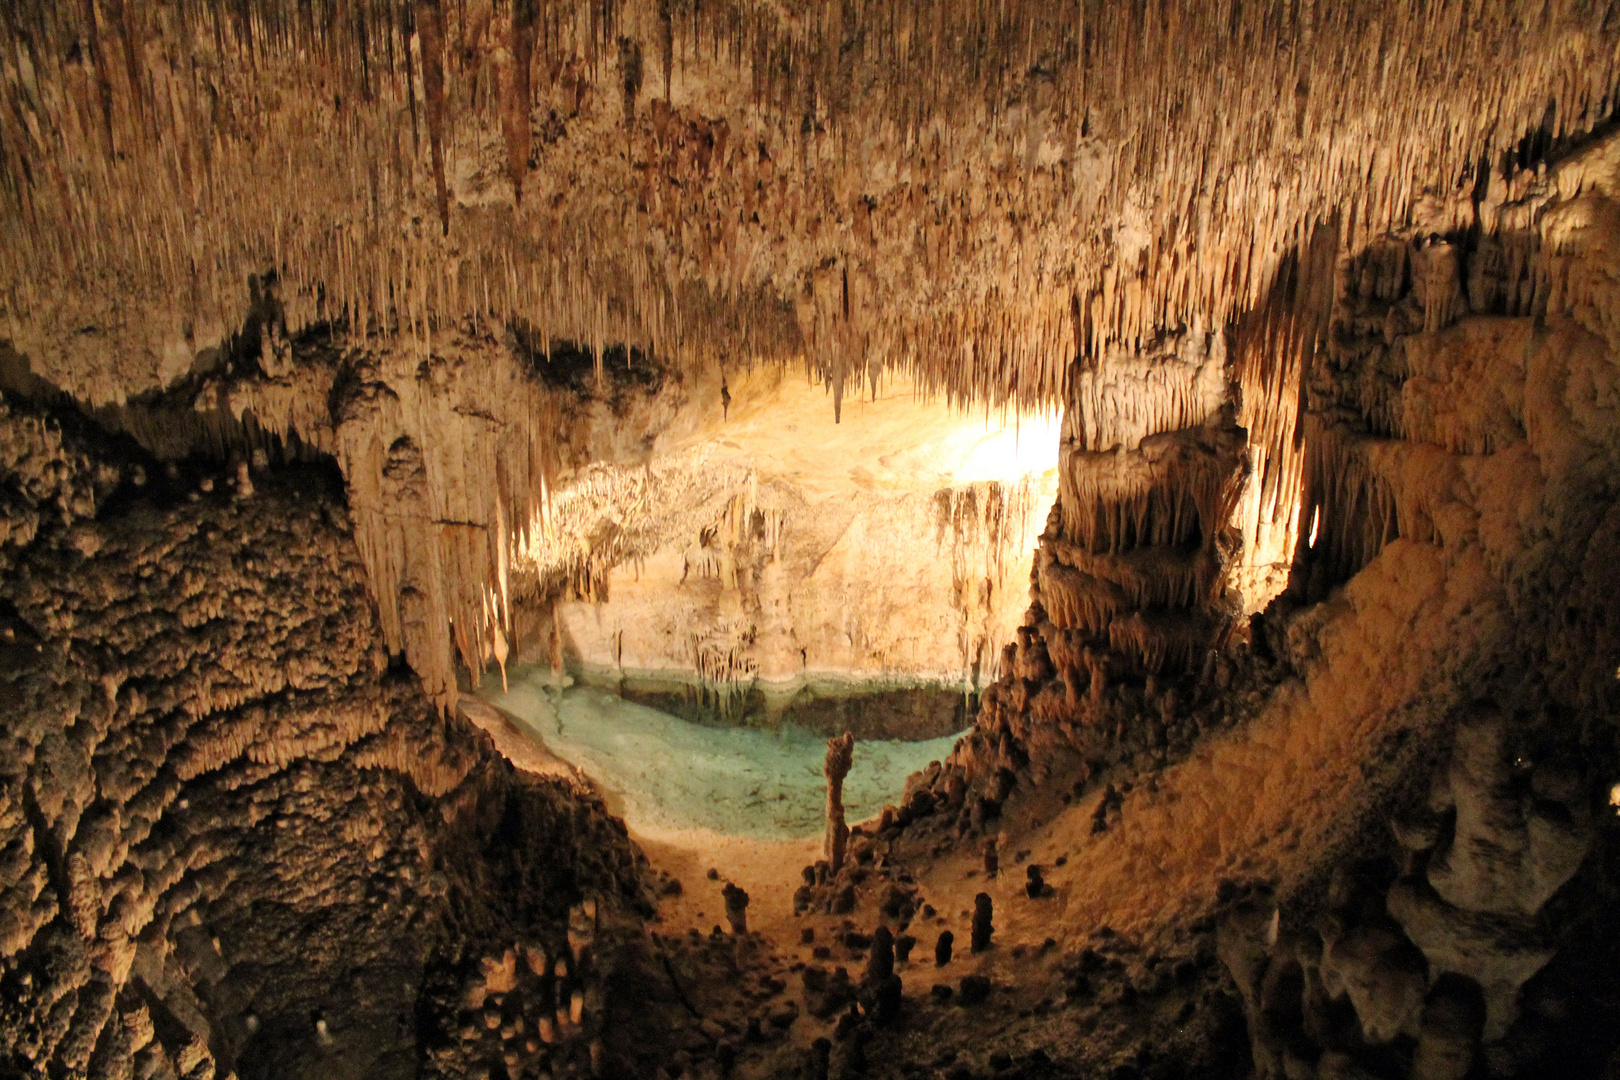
{"points": [[1010, 449]]}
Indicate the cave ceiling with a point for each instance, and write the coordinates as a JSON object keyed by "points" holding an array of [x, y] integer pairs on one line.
{"points": [[358, 227], [977, 192]]}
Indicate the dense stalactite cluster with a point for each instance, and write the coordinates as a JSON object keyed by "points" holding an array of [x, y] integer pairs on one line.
{"points": [[976, 194], [791, 165]]}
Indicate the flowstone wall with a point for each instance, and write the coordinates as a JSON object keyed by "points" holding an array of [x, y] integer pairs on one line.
{"points": [[781, 545], [234, 838]]}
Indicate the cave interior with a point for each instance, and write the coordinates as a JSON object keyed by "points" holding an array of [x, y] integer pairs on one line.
{"points": [[689, 539]]}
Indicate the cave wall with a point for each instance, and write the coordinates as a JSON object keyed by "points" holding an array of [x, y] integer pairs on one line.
{"points": [[900, 588], [1406, 829], [447, 454], [780, 545], [1466, 406], [236, 837]]}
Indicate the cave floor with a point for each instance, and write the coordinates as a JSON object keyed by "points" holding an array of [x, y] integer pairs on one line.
{"points": [[768, 866], [1132, 889], [746, 804]]}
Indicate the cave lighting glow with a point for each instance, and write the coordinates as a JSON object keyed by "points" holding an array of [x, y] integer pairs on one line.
{"points": [[1013, 447]]}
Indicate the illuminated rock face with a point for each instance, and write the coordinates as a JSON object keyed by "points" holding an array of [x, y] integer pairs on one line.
{"points": [[777, 545]]}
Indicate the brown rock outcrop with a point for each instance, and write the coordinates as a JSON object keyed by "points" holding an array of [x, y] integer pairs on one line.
{"points": [[235, 838]]}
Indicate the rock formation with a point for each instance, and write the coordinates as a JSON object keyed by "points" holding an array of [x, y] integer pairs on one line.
{"points": [[736, 908], [880, 965], [348, 347], [1408, 961], [225, 811], [1443, 952], [860, 193], [840, 756], [1512, 846], [982, 926]]}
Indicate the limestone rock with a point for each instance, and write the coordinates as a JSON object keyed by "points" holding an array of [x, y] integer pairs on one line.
{"points": [[1499, 952], [1453, 1022], [983, 928], [1512, 848], [1383, 975]]}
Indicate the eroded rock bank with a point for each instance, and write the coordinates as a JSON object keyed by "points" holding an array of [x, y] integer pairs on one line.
{"points": [[236, 838]]}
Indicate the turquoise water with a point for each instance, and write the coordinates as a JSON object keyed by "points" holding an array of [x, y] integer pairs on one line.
{"points": [[669, 773]]}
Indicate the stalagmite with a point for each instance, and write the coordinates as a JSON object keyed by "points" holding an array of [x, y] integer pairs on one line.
{"points": [[840, 756], [880, 962], [500, 652], [736, 908], [982, 926]]}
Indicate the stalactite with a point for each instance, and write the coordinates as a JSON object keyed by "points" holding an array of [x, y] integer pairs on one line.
{"points": [[1168, 491], [1138, 550], [1132, 235], [721, 665], [1352, 506], [517, 95], [430, 31], [1047, 230], [979, 527]]}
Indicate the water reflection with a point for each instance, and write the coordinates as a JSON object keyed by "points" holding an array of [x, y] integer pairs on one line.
{"points": [[668, 772]]}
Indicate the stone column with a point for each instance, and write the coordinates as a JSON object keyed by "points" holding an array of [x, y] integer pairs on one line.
{"points": [[840, 756]]}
